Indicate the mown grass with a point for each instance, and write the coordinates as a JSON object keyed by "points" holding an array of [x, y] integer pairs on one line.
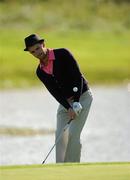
{"points": [[69, 171], [103, 58], [96, 32]]}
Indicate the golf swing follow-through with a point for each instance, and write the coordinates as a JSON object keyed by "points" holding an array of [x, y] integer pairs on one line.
{"points": [[59, 72]]}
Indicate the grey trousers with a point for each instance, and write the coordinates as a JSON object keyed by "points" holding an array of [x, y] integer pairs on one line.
{"points": [[68, 148]]}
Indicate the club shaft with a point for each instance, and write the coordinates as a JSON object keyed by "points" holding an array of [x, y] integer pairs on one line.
{"points": [[57, 139]]}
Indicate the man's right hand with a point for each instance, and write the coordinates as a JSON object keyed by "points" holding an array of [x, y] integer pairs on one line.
{"points": [[71, 113], [77, 107]]}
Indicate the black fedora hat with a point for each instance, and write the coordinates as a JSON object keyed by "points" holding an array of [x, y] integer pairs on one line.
{"points": [[32, 40]]}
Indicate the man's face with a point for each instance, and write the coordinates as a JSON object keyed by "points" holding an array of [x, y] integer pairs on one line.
{"points": [[37, 50]]}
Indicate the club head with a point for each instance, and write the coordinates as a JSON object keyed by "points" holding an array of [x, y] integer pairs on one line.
{"points": [[43, 162]]}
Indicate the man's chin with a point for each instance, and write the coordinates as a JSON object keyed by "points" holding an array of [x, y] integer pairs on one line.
{"points": [[38, 58]]}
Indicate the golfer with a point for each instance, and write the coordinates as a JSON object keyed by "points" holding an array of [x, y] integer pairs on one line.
{"points": [[60, 73]]}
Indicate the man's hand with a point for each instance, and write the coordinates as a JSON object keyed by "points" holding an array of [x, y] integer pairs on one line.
{"points": [[71, 113], [77, 107]]}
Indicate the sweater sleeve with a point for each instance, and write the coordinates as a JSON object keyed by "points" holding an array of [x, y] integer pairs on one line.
{"points": [[53, 87], [75, 73]]}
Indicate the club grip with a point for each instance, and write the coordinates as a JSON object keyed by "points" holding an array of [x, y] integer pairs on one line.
{"points": [[69, 121]]}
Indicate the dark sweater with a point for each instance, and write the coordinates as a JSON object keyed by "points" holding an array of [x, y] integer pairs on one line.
{"points": [[66, 76]]}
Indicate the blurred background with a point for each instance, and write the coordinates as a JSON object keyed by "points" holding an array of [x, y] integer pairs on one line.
{"points": [[97, 32]]}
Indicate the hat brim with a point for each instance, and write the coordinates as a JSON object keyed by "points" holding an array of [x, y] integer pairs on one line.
{"points": [[40, 41]]}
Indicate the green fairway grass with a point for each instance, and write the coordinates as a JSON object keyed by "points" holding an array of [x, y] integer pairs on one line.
{"points": [[85, 171]]}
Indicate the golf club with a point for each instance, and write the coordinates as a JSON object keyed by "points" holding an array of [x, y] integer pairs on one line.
{"points": [[58, 138]]}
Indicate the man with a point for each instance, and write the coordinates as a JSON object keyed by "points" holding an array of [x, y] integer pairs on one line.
{"points": [[60, 73]]}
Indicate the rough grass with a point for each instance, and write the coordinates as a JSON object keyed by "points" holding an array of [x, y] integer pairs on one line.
{"points": [[14, 131], [66, 14], [90, 171]]}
